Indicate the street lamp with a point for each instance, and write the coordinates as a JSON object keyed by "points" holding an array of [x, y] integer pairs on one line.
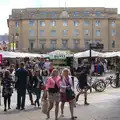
{"points": [[90, 53], [97, 46], [90, 61]]}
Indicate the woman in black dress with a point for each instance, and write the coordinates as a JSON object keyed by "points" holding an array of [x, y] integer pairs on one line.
{"points": [[30, 86], [7, 89]]}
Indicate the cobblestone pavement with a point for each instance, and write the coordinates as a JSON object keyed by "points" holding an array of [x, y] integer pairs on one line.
{"points": [[103, 106]]}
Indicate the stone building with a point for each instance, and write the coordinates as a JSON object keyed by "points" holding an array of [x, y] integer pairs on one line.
{"points": [[46, 29]]}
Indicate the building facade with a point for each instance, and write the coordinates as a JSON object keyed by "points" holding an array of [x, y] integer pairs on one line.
{"points": [[47, 29]]}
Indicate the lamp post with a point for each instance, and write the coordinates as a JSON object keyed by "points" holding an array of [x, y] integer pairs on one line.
{"points": [[14, 36], [90, 61], [13, 42], [90, 53]]}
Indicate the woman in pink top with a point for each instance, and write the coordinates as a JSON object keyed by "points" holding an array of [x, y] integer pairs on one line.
{"points": [[53, 89]]}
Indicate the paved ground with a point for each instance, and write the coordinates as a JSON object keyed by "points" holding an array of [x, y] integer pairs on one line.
{"points": [[104, 106]]}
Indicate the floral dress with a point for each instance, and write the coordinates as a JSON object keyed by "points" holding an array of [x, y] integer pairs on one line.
{"points": [[7, 87]]}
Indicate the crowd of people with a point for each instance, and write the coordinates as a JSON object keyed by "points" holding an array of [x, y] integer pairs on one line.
{"points": [[40, 76], [36, 77], [52, 86]]}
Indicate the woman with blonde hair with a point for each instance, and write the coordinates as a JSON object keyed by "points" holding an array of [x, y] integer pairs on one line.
{"points": [[67, 85], [53, 87]]}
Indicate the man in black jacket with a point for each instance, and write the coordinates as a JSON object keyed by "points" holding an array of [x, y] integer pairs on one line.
{"points": [[81, 74], [21, 86]]}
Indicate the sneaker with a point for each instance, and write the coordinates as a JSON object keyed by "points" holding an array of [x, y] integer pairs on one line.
{"points": [[39, 107], [5, 110], [61, 115], [32, 103], [87, 103], [17, 108], [22, 108], [74, 118]]}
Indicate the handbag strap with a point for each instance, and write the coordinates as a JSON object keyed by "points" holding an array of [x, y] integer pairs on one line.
{"points": [[67, 81], [55, 81]]}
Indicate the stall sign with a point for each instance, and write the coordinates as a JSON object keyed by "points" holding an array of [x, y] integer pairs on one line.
{"points": [[0, 58], [58, 57]]}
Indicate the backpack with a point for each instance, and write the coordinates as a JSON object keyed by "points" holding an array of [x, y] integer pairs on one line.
{"points": [[44, 73]]}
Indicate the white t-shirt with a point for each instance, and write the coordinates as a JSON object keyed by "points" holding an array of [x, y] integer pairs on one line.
{"points": [[47, 65], [13, 75]]}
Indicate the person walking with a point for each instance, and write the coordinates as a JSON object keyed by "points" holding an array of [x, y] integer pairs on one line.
{"points": [[47, 64], [66, 85], [37, 83], [30, 86], [53, 89], [7, 89], [81, 74], [22, 78]]}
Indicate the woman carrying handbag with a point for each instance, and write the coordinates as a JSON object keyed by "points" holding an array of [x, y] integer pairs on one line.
{"points": [[67, 92]]}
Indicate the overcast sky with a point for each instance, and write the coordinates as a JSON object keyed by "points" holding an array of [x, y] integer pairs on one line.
{"points": [[7, 5]]}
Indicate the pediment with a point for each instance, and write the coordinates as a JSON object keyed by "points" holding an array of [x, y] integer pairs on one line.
{"points": [[64, 14]]}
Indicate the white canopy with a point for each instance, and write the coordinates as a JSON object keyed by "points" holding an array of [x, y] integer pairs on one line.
{"points": [[118, 53], [97, 54], [7, 54], [110, 54], [59, 54], [87, 54]]}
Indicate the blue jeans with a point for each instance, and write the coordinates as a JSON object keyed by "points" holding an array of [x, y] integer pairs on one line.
{"points": [[38, 95]]}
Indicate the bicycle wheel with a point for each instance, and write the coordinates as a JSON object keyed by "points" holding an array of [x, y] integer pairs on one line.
{"points": [[100, 86], [113, 83]]}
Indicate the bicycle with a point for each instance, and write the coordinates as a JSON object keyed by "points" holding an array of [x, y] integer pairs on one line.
{"points": [[98, 84], [110, 81]]}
